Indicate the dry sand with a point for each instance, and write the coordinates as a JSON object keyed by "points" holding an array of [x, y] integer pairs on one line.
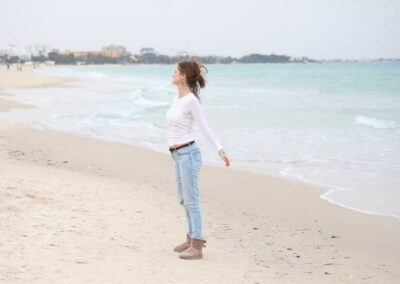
{"points": [[75, 209]]}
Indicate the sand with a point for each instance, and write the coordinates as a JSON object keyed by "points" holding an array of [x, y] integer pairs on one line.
{"points": [[75, 209]]}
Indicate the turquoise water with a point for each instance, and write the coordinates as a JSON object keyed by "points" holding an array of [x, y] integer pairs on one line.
{"points": [[335, 124]]}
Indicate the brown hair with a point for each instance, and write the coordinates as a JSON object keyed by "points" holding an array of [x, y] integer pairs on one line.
{"points": [[194, 76]]}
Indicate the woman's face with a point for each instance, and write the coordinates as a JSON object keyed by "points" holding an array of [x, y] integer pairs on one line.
{"points": [[177, 77]]}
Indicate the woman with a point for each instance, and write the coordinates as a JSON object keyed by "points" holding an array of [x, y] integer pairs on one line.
{"points": [[186, 153]]}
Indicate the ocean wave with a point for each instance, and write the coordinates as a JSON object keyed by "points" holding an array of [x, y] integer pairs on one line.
{"points": [[147, 102], [114, 115], [136, 93], [40, 125], [374, 122], [268, 161], [71, 72], [334, 189], [168, 88], [122, 79], [69, 115], [94, 75], [139, 99]]}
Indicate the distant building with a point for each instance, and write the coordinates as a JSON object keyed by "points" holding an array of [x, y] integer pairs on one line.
{"points": [[111, 51], [114, 51], [39, 49], [146, 50], [80, 53], [14, 50]]}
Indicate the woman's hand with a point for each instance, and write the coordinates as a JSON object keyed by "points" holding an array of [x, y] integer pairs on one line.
{"points": [[224, 157]]}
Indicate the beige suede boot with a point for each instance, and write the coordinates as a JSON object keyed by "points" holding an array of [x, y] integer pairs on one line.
{"points": [[194, 251], [183, 246]]}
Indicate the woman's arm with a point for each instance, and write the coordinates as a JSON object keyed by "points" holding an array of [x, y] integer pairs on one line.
{"points": [[198, 114]]}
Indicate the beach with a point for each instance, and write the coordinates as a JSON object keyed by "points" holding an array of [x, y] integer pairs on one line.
{"points": [[77, 209]]}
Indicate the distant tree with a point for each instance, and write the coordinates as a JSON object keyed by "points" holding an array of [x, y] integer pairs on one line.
{"points": [[12, 59], [260, 58], [38, 58], [62, 58]]}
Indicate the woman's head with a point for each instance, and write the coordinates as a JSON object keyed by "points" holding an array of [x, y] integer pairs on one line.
{"points": [[190, 72]]}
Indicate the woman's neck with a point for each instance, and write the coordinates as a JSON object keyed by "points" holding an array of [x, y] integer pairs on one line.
{"points": [[183, 90]]}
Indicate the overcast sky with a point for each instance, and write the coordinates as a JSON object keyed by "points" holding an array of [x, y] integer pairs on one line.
{"points": [[317, 29]]}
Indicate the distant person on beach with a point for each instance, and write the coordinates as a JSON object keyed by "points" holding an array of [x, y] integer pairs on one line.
{"points": [[186, 153]]}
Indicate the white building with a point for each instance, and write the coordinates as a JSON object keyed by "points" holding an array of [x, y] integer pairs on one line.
{"points": [[26, 52], [39, 49], [147, 50], [14, 50]]}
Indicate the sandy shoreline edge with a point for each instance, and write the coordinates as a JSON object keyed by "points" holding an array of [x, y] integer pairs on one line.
{"points": [[297, 233]]}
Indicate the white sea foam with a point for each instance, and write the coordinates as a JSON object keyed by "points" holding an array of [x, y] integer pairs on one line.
{"points": [[136, 93], [147, 102], [374, 122], [336, 189], [94, 75]]}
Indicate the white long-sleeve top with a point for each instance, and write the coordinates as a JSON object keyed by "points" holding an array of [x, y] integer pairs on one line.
{"points": [[180, 117]]}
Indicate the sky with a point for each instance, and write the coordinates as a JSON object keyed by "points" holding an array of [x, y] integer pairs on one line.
{"points": [[324, 29]]}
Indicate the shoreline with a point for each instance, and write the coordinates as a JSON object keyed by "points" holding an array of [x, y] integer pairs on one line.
{"points": [[299, 232], [41, 81]]}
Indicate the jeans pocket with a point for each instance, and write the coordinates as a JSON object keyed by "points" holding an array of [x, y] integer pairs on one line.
{"points": [[197, 157]]}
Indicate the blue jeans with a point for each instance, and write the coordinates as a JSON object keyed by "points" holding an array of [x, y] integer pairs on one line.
{"points": [[187, 164]]}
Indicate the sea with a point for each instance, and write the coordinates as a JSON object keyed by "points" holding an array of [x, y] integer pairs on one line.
{"points": [[332, 124]]}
